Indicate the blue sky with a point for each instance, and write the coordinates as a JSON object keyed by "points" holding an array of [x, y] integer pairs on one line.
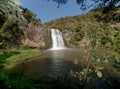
{"points": [[48, 11]]}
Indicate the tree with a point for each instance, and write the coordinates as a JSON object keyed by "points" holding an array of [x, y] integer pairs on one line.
{"points": [[11, 8], [10, 33], [94, 3]]}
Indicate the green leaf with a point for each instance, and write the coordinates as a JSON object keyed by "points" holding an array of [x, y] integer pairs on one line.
{"points": [[106, 61], [98, 60], [99, 74], [76, 61]]}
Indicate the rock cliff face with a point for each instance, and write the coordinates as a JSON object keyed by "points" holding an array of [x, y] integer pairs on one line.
{"points": [[68, 34], [38, 37], [35, 37]]}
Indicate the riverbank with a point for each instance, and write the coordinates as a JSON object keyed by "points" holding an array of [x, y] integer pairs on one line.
{"points": [[13, 55]]}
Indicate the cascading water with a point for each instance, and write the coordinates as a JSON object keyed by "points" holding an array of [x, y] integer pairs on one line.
{"points": [[57, 40]]}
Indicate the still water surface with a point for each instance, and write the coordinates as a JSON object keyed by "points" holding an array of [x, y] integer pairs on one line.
{"points": [[51, 63], [54, 63]]}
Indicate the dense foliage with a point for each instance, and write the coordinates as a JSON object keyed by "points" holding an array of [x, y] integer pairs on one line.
{"points": [[13, 23], [11, 8], [14, 81], [10, 33], [31, 17]]}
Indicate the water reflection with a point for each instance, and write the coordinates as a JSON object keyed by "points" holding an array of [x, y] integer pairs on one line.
{"points": [[51, 63], [61, 61]]}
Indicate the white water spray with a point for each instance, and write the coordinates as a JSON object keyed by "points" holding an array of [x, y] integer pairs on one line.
{"points": [[57, 40]]}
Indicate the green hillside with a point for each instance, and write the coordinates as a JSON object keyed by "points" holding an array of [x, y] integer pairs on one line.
{"points": [[99, 27], [93, 17]]}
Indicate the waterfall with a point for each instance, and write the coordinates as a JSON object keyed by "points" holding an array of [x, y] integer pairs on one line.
{"points": [[57, 40]]}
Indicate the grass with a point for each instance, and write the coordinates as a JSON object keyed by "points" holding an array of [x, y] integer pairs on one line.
{"points": [[15, 55]]}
